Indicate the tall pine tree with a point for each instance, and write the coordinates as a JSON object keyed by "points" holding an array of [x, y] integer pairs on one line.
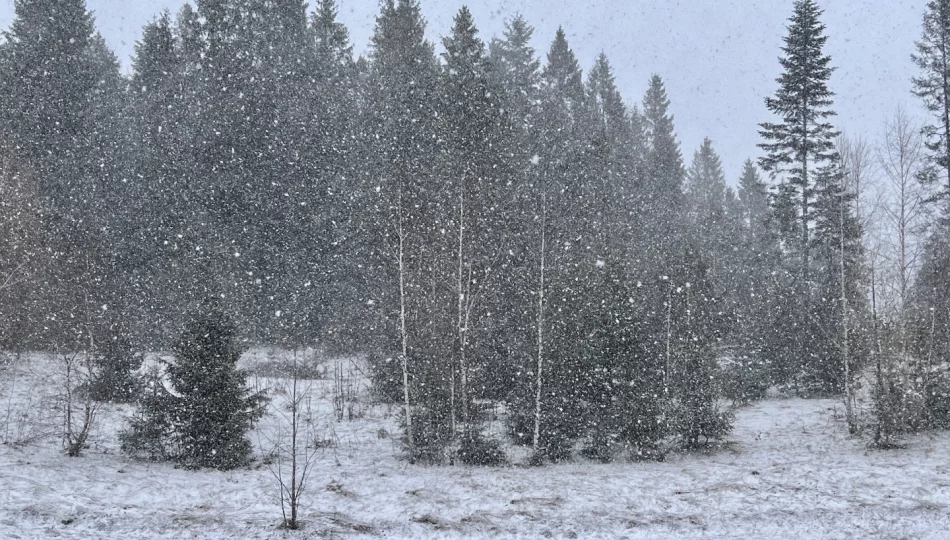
{"points": [[802, 141]]}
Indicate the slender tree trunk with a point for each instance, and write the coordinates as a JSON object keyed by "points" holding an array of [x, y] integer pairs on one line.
{"points": [[845, 346], [404, 334], [294, 485], [805, 244], [452, 414], [68, 405], [875, 321], [933, 337], [540, 367], [689, 310], [669, 340], [878, 348], [880, 432], [461, 312], [901, 163], [904, 278]]}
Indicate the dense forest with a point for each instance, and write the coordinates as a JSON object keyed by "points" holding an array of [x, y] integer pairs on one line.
{"points": [[486, 222]]}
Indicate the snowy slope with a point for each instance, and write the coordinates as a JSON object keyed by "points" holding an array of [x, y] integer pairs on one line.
{"points": [[789, 471]]}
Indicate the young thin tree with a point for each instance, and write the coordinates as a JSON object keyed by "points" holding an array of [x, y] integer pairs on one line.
{"points": [[542, 260], [849, 403], [550, 401], [858, 169], [518, 74], [299, 448], [79, 409], [403, 329], [901, 159], [401, 114], [474, 132], [838, 272]]}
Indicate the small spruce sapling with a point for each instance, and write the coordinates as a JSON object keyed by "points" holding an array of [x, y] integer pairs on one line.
{"points": [[202, 420], [215, 408]]}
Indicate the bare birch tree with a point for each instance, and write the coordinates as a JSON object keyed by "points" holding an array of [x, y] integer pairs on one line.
{"points": [[901, 157], [540, 319], [401, 240], [78, 409], [296, 450], [857, 166]]}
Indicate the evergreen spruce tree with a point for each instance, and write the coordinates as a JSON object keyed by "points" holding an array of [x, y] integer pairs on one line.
{"points": [[758, 255], [786, 348], [518, 71], [715, 225], [58, 93], [150, 433], [271, 88], [624, 408], [839, 262], [473, 165], [215, 408], [799, 149], [188, 31], [664, 166], [802, 141], [158, 206], [549, 418], [933, 87], [664, 214], [563, 72], [611, 172], [930, 298], [512, 362], [706, 187], [204, 420], [335, 208], [115, 359], [754, 200], [662, 241], [407, 210], [693, 310], [610, 222], [931, 322]]}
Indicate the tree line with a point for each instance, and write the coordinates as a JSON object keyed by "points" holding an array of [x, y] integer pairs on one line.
{"points": [[486, 224]]}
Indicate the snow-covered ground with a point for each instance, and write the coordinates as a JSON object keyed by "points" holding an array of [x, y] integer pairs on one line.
{"points": [[789, 471]]}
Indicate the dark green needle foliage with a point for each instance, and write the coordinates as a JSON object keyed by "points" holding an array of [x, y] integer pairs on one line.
{"points": [[209, 409]]}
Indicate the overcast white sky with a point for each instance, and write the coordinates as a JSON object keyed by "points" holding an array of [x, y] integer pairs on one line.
{"points": [[719, 58]]}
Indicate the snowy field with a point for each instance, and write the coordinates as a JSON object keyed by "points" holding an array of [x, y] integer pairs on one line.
{"points": [[789, 470]]}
